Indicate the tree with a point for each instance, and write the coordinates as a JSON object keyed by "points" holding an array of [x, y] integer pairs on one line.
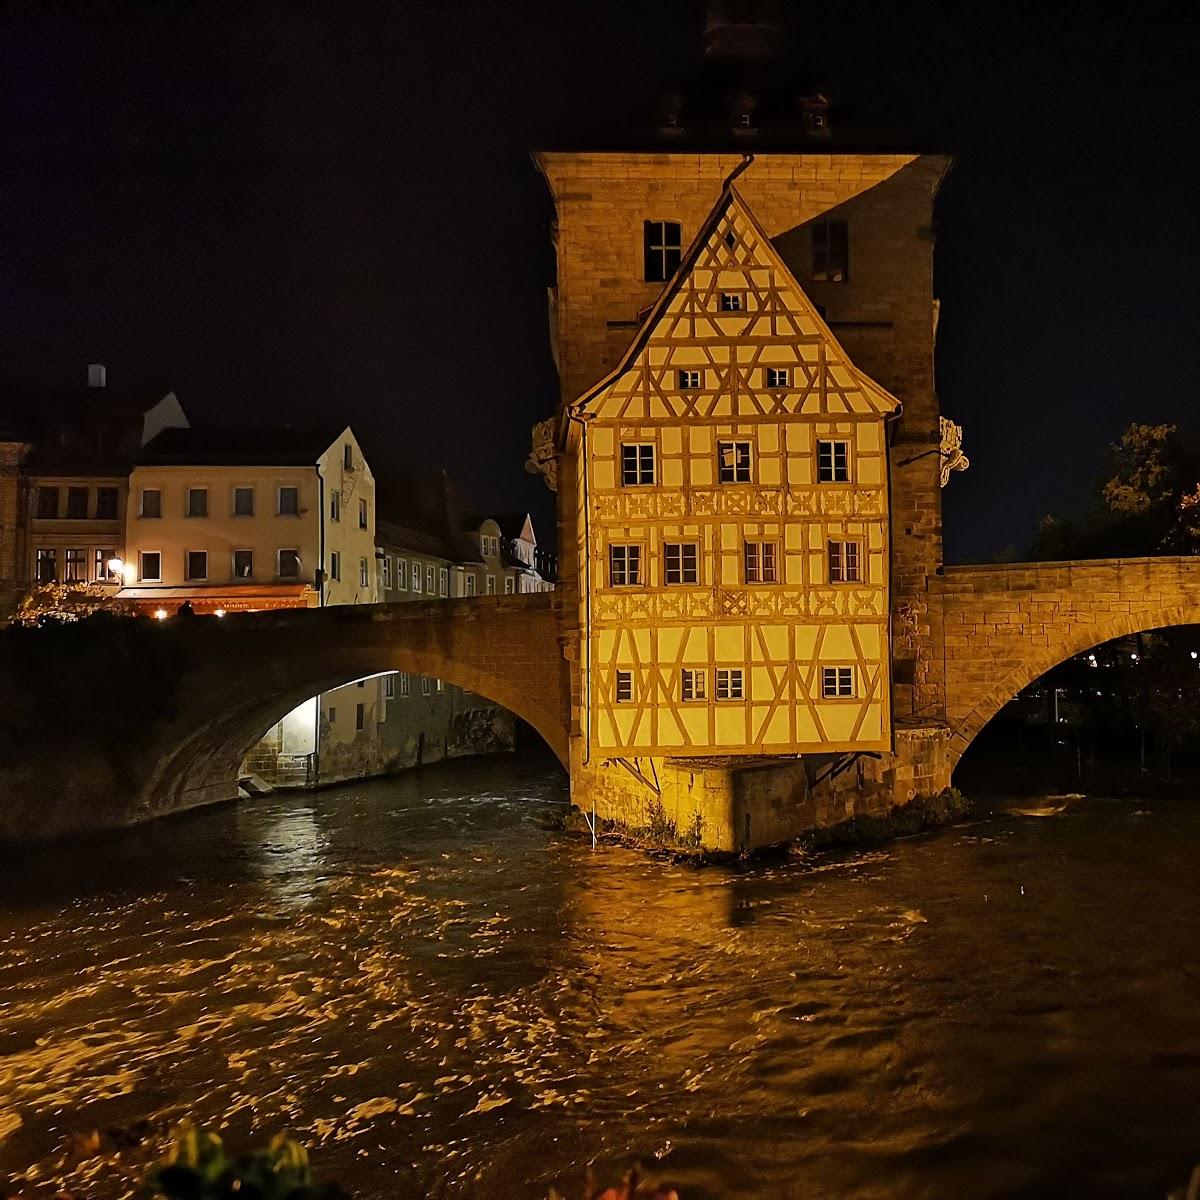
{"points": [[65, 602]]}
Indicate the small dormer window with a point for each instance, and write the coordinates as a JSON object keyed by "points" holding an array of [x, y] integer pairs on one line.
{"points": [[731, 302]]}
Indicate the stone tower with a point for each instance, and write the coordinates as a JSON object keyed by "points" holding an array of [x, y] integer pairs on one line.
{"points": [[855, 230]]}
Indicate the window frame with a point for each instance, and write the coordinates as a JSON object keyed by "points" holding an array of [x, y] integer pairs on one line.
{"points": [[75, 492], [45, 554], [79, 561], [689, 692], [242, 490], [142, 513], [418, 578], [401, 574], [839, 562], [443, 581], [679, 549], [389, 686], [188, 577], [623, 683], [44, 492], [684, 377], [187, 507], [636, 465], [733, 685], [143, 577], [115, 514], [294, 489], [780, 384], [364, 573], [347, 457], [830, 255], [765, 554], [335, 505], [834, 443], [279, 553], [385, 572], [405, 685], [362, 514], [731, 302], [661, 257], [622, 550], [100, 561], [426, 686], [738, 465], [335, 565], [233, 562], [837, 674]]}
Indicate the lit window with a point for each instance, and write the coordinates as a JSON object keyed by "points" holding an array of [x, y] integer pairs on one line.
{"points": [[47, 503], [624, 687], [74, 566], [637, 463], [843, 562], [335, 565], [426, 685], [102, 572], [289, 502], [624, 565], [730, 685], [150, 566], [779, 377], [689, 381], [833, 462], [243, 502], [197, 502], [681, 562], [289, 564], [693, 685], [362, 514], [831, 251], [196, 564], [151, 502], [77, 503], [106, 504], [417, 576], [389, 686], [438, 685], [760, 562], [405, 684], [731, 302], [662, 249], [243, 564], [385, 571], [364, 573], [733, 462], [837, 682], [402, 574], [335, 506]]}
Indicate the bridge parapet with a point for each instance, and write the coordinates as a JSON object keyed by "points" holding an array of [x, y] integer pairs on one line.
{"points": [[1008, 623]]}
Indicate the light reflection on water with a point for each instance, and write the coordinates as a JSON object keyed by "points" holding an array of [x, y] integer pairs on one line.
{"points": [[438, 994]]}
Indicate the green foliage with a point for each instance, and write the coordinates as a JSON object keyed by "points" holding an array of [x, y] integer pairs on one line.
{"points": [[693, 836], [659, 827], [199, 1168]]}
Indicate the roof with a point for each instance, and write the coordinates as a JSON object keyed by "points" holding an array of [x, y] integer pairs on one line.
{"points": [[248, 447], [428, 505], [393, 536], [512, 524]]}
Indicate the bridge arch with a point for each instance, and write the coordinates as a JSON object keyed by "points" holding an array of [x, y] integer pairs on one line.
{"points": [[245, 673], [1006, 626]]}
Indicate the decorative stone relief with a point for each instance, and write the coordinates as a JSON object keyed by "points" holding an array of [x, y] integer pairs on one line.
{"points": [[953, 458]]}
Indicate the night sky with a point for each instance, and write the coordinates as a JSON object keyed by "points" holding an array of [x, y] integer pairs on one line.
{"points": [[298, 212]]}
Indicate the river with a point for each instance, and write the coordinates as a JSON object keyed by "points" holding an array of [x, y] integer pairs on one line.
{"points": [[443, 998]]}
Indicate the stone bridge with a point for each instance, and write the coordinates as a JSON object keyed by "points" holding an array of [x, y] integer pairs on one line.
{"points": [[1007, 624], [239, 675]]}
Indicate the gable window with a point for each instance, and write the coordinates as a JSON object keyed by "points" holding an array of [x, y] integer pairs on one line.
{"points": [[347, 457], [243, 564], [197, 502], [624, 565], [74, 568], [624, 686], [689, 381], [150, 566], [364, 573], [362, 514], [731, 302], [833, 462], [779, 377], [335, 506], [289, 564], [196, 564], [637, 463], [385, 571], [243, 502], [151, 502], [844, 562], [733, 462], [759, 558], [77, 503], [47, 503], [837, 682], [106, 504], [416, 576], [693, 685], [289, 501], [681, 562], [730, 683], [662, 249], [335, 565], [831, 251]]}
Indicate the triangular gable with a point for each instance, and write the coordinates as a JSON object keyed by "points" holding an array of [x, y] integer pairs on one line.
{"points": [[777, 327]]}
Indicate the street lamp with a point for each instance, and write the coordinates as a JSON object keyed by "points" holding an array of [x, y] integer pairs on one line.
{"points": [[121, 569]]}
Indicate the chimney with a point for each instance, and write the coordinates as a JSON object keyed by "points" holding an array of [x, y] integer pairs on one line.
{"points": [[96, 375]]}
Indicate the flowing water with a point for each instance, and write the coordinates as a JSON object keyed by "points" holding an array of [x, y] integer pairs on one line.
{"points": [[443, 998]]}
